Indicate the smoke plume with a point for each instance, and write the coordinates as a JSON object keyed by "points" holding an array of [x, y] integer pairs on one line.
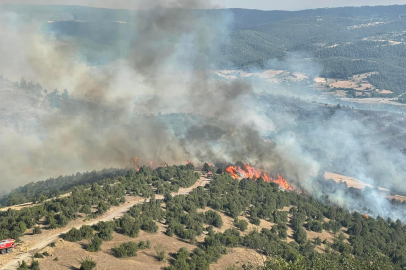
{"points": [[160, 102]]}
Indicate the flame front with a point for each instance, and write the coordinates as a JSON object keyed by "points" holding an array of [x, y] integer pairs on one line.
{"points": [[251, 172], [136, 164]]}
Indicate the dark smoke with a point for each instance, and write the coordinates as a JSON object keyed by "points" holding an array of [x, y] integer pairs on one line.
{"points": [[160, 102]]}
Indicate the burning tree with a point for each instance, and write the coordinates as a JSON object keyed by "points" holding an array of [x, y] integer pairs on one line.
{"points": [[247, 171]]}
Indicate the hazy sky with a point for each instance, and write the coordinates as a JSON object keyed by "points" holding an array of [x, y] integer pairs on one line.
{"points": [[253, 4]]}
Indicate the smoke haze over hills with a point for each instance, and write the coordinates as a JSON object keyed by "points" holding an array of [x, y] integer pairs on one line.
{"points": [[166, 69]]}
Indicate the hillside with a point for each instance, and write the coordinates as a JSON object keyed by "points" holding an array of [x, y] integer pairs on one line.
{"points": [[344, 41], [197, 139], [200, 228]]}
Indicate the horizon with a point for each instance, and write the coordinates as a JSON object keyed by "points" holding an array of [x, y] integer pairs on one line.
{"points": [[216, 4]]}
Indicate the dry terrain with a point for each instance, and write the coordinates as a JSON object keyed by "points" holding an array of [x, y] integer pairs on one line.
{"points": [[69, 254], [355, 183], [358, 82], [269, 75], [36, 243]]}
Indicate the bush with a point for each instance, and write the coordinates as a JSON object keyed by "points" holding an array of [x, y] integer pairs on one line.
{"points": [[86, 232], [213, 218], [73, 235], [95, 244], [45, 253], [241, 224], [315, 226], [160, 252], [149, 226], [143, 245], [38, 255], [23, 266], [128, 249], [87, 264], [300, 235], [37, 230], [52, 244], [35, 265], [255, 221], [106, 234]]}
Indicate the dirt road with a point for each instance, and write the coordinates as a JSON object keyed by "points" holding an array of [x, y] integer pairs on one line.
{"points": [[41, 242]]}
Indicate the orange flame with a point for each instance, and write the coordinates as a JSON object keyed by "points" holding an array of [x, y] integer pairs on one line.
{"points": [[136, 163], [366, 216], [251, 172]]}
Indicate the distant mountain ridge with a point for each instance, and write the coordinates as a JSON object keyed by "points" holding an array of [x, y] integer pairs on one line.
{"points": [[344, 41], [243, 18]]}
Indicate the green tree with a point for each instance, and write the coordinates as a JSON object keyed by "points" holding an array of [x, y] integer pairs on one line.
{"points": [[160, 252], [87, 264], [37, 230], [95, 244], [300, 235]]}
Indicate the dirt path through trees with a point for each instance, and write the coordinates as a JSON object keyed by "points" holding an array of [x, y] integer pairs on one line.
{"points": [[38, 242]]}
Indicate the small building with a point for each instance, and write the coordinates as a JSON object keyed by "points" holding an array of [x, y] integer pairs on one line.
{"points": [[209, 174]]}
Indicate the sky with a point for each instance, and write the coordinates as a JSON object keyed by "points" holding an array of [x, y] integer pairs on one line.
{"points": [[252, 4]]}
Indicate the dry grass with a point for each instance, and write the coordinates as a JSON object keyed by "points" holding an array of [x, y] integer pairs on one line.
{"points": [[355, 183], [238, 257], [69, 253], [351, 182]]}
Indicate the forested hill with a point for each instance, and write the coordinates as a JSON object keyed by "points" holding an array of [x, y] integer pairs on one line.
{"points": [[298, 232], [243, 18], [342, 41]]}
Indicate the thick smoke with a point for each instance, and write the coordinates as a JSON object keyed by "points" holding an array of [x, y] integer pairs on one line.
{"points": [[107, 121], [161, 103]]}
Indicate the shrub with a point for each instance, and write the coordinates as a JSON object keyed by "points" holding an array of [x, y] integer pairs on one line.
{"points": [[142, 245], [213, 218], [86, 232], [128, 249], [73, 235], [23, 266], [38, 256], [34, 265], [160, 252], [52, 244], [315, 226], [45, 253], [149, 226], [95, 244], [106, 234], [37, 230], [241, 224], [255, 221], [87, 264], [300, 235]]}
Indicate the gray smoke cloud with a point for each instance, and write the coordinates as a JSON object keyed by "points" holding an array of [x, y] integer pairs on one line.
{"points": [[165, 70], [106, 122]]}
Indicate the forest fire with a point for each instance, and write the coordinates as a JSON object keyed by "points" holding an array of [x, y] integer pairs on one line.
{"points": [[136, 164], [250, 172], [367, 216]]}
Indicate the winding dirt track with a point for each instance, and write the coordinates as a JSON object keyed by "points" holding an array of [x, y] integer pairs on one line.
{"points": [[110, 215]]}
